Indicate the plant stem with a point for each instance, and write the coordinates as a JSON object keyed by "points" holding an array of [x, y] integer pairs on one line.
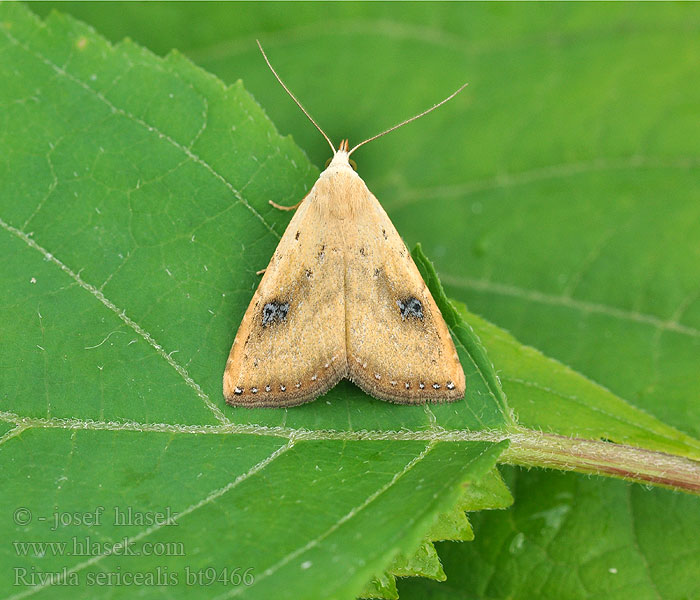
{"points": [[534, 449]]}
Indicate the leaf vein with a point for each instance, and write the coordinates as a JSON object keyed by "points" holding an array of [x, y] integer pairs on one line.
{"points": [[579, 401], [503, 289], [346, 517], [545, 173], [91, 289], [146, 532], [61, 71]]}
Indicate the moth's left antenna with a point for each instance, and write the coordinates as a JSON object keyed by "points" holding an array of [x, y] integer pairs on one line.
{"points": [[293, 97]]}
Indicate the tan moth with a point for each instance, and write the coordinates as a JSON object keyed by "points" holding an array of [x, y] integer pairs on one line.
{"points": [[342, 298]]}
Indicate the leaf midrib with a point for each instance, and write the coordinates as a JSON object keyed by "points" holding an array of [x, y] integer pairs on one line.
{"points": [[436, 433], [527, 447]]}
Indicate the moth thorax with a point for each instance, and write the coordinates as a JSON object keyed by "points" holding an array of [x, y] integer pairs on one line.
{"points": [[340, 194]]}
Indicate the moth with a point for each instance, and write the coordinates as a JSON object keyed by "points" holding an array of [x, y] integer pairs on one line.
{"points": [[341, 298]]}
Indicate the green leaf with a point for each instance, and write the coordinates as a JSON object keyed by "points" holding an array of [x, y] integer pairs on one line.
{"points": [[571, 537], [548, 395], [123, 196], [487, 492]]}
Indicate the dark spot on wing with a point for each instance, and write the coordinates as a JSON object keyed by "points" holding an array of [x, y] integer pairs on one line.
{"points": [[296, 237], [309, 273], [269, 313], [363, 252], [411, 308], [274, 311], [386, 237]]}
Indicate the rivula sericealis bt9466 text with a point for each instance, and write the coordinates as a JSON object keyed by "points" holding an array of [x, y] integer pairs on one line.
{"points": [[342, 297]]}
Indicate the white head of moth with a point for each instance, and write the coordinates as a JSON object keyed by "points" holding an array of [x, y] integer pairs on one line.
{"points": [[342, 298]]}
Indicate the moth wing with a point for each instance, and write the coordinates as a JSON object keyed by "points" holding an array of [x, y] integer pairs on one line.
{"points": [[398, 346], [290, 346]]}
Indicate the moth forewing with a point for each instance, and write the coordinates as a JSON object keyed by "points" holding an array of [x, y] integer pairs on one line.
{"points": [[285, 351], [399, 347]]}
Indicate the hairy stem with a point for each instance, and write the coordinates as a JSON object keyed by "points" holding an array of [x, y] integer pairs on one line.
{"points": [[533, 449]]}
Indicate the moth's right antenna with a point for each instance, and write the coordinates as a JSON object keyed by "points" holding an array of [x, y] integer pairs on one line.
{"points": [[425, 112], [286, 89]]}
